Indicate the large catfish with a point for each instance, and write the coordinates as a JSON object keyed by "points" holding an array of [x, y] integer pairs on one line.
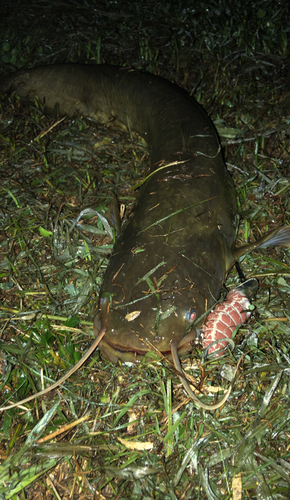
{"points": [[170, 261]]}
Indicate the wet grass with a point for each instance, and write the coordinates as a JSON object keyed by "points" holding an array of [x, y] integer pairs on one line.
{"points": [[130, 431]]}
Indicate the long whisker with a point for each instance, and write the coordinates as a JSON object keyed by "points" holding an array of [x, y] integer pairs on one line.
{"points": [[65, 377], [185, 384]]}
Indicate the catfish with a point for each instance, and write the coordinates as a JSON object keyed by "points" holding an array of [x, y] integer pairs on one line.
{"points": [[170, 260]]}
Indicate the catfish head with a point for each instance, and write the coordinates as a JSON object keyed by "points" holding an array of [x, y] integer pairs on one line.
{"points": [[155, 293]]}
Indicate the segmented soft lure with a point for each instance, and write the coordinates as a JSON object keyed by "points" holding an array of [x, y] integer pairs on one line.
{"points": [[227, 316]]}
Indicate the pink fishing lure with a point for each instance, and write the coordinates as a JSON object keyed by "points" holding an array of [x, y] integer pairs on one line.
{"points": [[224, 319]]}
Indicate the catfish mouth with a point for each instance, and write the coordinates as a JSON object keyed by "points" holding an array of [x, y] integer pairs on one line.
{"points": [[115, 351]]}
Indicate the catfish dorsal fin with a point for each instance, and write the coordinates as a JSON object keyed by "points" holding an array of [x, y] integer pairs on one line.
{"points": [[278, 237]]}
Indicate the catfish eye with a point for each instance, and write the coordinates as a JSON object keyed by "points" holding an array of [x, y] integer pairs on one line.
{"points": [[190, 315]]}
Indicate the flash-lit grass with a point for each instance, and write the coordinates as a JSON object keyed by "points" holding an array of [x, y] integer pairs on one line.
{"points": [[75, 442]]}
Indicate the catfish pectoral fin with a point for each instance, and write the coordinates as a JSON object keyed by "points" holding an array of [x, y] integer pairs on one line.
{"points": [[249, 287], [185, 384], [278, 237]]}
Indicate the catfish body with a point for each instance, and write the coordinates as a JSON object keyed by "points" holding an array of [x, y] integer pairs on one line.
{"points": [[169, 262]]}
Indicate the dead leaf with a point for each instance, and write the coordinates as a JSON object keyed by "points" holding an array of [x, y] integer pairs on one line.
{"points": [[133, 315], [237, 487], [136, 445]]}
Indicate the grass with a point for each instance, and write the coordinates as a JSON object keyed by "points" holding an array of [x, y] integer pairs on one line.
{"points": [[129, 431]]}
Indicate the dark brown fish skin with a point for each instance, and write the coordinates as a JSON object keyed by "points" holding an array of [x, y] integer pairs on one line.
{"points": [[196, 254], [191, 251]]}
